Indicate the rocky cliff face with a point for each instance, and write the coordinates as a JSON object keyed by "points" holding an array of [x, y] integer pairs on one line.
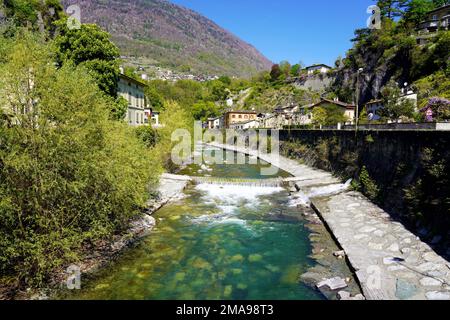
{"points": [[172, 36], [374, 77]]}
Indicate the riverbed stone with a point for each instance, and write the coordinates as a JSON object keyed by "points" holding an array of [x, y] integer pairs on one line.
{"points": [[344, 295], [339, 254]]}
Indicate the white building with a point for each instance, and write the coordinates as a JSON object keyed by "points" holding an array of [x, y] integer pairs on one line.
{"points": [[133, 91], [216, 123], [320, 68], [373, 108], [151, 117], [251, 124]]}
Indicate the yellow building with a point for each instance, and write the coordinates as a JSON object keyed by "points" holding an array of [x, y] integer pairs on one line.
{"points": [[235, 117]]}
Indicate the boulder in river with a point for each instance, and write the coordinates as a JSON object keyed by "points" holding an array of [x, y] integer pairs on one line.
{"points": [[333, 283]]}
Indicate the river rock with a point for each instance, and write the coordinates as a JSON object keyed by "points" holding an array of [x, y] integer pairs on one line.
{"points": [[346, 296], [333, 283], [339, 254]]}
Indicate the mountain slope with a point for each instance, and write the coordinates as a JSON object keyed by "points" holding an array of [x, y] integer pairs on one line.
{"points": [[169, 35]]}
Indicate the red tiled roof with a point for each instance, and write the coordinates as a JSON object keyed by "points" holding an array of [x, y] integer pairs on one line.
{"points": [[339, 103]]}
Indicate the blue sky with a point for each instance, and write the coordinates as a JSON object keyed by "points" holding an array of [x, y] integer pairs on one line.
{"points": [[311, 31]]}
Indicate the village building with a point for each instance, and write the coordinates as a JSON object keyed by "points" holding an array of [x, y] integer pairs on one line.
{"points": [[305, 115], [235, 117], [133, 91], [436, 19], [151, 117], [374, 107], [215, 123], [318, 68], [250, 124]]}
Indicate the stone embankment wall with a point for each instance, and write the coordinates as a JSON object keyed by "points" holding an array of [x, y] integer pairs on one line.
{"points": [[407, 173]]}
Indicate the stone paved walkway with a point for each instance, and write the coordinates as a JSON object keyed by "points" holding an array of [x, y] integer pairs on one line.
{"points": [[390, 262]]}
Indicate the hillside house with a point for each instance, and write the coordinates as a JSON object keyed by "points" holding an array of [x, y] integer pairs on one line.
{"points": [[305, 115], [234, 117], [348, 109], [374, 107], [436, 19], [318, 68], [133, 91], [151, 117], [250, 124], [216, 123]]}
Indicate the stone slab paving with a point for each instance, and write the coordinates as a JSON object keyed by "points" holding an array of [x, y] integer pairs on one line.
{"points": [[390, 262], [171, 186]]}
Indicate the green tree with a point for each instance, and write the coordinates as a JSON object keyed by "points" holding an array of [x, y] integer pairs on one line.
{"points": [[39, 15], [392, 8], [329, 115], [218, 90], [204, 110], [92, 48], [154, 98], [319, 116], [285, 68], [417, 10], [395, 106], [118, 109], [295, 70], [275, 73], [148, 136]]}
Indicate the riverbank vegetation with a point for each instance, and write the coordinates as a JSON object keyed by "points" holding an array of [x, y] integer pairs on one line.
{"points": [[72, 173]]}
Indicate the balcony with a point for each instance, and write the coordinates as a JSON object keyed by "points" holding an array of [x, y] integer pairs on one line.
{"points": [[429, 26]]}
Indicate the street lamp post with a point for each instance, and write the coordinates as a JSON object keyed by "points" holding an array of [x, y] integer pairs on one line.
{"points": [[360, 70]]}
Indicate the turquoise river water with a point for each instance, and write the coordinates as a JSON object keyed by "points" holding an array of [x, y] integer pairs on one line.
{"points": [[219, 242]]}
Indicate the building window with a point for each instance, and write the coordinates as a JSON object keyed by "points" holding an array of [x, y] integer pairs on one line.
{"points": [[233, 116], [240, 116]]}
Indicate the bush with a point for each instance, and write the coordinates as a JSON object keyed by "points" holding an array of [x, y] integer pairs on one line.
{"points": [[368, 185], [68, 174], [147, 135]]}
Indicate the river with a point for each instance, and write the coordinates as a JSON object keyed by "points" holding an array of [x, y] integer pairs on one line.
{"points": [[219, 242]]}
